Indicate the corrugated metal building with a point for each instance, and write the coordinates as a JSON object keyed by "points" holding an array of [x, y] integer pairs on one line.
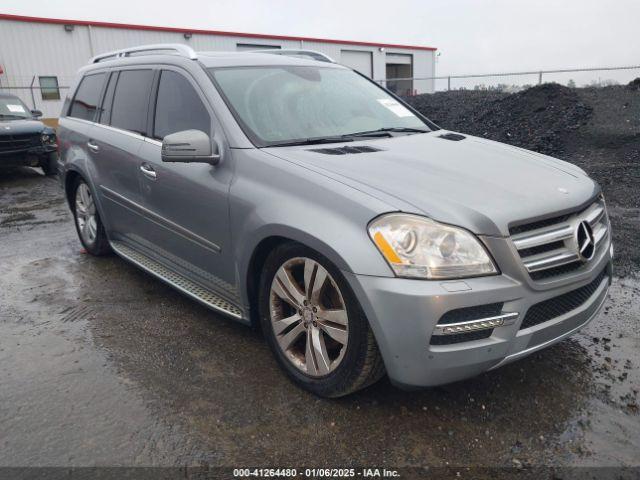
{"points": [[45, 53]]}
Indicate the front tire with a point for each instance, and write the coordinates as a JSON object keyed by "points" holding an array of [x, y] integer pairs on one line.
{"points": [[87, 219], [49, 164], [314, 324]]}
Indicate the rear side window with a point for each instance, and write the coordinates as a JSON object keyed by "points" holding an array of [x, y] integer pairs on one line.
{"points": [[131, 100], [85, 103], [178, 107]]}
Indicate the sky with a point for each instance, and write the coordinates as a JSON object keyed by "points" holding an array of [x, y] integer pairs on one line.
{"points": [[472, 36]]}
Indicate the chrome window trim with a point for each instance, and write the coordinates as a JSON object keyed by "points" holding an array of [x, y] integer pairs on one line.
{"points": [[153, 141], [76, 119], [109, 127], [120, 130]]}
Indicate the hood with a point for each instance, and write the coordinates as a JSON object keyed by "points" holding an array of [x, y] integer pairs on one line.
{"points": [[474, 183], [17, 127]]}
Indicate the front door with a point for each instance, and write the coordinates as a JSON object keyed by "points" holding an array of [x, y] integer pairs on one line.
{"points": [[187, 222]]}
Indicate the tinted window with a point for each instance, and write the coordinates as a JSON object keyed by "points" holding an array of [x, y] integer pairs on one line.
{"points": [[131, 100], [178, 107], [85, 103], [105, 114]]}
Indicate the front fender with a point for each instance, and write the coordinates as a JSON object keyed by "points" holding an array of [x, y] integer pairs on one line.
{"points": [[271, 197]]}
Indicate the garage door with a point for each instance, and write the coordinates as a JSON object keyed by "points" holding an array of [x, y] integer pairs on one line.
{"points": [[358, 60]]}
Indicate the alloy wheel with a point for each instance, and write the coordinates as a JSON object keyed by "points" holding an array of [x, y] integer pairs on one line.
{"points": [[308, 316], [86, 214]]}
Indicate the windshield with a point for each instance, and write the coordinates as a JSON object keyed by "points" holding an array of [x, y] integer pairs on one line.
{"points": [[12, 108], [284, 104]]}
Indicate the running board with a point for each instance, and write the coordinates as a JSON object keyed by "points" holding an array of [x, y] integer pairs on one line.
{"points": [[180, 282]]}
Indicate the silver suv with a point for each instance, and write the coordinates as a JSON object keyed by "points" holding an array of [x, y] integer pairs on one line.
{"points": [[300, 196]]}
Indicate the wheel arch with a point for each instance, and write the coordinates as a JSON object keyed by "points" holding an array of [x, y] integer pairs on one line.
{"points": [[70, 178], [261, 250]]}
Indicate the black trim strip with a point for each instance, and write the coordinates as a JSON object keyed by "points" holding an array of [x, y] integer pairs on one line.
{"points": [[159, 220]]}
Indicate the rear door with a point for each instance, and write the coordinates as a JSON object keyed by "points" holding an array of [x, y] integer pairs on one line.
{"points": [[187, 219], [115, 144], [75, 127]]}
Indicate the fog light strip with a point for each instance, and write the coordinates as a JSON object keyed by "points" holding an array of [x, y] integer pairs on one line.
{"points": [[474, 325]]}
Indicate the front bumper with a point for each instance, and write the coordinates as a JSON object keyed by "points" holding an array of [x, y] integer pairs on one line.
{"points": [[30, 157], [403, 315]]}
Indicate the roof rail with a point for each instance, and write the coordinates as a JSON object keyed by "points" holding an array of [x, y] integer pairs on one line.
{"points": [[182, 50], [314, 55]]}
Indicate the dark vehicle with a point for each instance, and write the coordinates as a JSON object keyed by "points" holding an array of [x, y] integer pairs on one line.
{"points": [[24, 140]]}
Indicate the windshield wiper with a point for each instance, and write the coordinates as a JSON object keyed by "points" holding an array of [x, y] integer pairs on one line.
{"points": [[349, 137], [17, 117], [387, 132], [313, 141]]}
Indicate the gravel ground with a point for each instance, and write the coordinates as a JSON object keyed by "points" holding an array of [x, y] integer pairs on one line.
{"points": [[100, 364], [598, 129]]}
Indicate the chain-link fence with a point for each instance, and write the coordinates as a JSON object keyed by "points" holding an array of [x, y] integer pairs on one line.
{"points": [[514, 81], [40, 92], [46, 93]]}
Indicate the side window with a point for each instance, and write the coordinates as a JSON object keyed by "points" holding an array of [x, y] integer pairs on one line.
{"points": [[178, 107], [85, 102], [107, 102], [131, 100], [49, 88]]}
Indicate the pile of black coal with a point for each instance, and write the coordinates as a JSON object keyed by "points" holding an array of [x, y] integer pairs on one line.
{"points": [[634, 84], [537, 118]]}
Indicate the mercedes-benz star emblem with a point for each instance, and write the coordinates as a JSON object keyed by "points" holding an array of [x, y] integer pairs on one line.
{"points": [[586, 243]]}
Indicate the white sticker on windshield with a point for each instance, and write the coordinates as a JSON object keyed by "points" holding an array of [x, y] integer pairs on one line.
{"points": [[395, 106], [16, 108]]}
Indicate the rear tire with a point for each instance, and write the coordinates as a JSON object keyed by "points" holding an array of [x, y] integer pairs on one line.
{"points": [[87, 219], [49, 164], [316, 328]]}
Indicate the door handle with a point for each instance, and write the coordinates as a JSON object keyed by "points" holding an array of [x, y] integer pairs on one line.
{"points": [[148, 171], [93, 147]]}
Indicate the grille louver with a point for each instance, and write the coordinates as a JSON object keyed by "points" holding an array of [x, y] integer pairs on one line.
{"points": [[18, 141]]}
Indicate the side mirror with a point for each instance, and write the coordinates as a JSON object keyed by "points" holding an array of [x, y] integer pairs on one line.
{"points": [[190, 146], [36, 113]]}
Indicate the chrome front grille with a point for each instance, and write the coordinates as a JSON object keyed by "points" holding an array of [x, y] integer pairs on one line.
{"points": [[18, 141], [550, 248]]}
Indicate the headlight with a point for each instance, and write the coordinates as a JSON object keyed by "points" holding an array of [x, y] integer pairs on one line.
{"points": [[48, 138], [418, 247]]}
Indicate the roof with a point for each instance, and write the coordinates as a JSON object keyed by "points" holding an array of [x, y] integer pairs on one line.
{"points": [[23, 18]]}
